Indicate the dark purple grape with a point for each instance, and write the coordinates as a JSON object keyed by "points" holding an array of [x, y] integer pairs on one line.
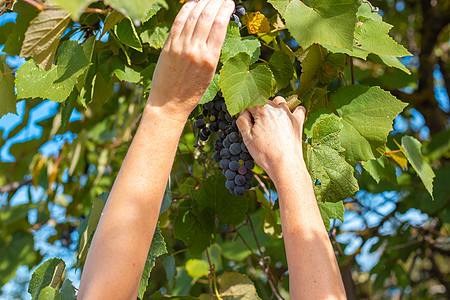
{"points": [[203, 137], [230, 184], [221, 136], [218, 105], [230, 175], [225, 153], [233, 137], [233, 165], [249, 164], [239, 191], [244, 156], [235, 149], [213, 126], [200, 116], [224, 163], [218, 145], [226, 142], [249, 175], [206, 131], [223, 125], [228, 117], [200, 123], [240, 10], [239, 179], [208, 105], [224, 107]]}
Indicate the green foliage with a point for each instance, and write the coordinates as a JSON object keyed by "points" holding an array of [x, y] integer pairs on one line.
{"points": [[242, 87], [204, 232]]}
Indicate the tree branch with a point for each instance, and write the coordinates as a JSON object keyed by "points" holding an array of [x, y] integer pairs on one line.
{"points": [[14, 186]]}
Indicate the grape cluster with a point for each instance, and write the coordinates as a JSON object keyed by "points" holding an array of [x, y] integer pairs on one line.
{"points": [[239, 11], [230, 151]]}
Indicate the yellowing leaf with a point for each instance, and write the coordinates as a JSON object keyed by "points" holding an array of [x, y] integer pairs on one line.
{"points": [[399, 158], [257, 23], [42, 37]]}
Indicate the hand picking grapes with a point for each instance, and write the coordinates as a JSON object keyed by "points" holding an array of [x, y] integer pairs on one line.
{"points": [[271, 135]]}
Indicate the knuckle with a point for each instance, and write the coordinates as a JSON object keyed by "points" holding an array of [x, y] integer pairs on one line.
{"points": [[206, 16], [221, 22]]}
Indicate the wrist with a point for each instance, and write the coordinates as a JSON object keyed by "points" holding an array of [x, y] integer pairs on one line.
{"points": [[290, 171], [165, 113]]}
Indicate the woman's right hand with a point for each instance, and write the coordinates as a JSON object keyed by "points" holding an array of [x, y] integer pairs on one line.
{"points": [[274, 138], [189, 57]]}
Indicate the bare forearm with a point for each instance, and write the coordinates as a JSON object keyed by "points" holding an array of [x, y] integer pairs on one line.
{"points": [[313, 270], [131, 212]]}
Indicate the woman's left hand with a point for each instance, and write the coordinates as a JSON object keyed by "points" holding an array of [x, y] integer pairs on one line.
{"points": [[189, 57]]}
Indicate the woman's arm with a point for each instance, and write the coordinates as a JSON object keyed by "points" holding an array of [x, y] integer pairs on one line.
{"points": [[274, 139], [185, 68]]}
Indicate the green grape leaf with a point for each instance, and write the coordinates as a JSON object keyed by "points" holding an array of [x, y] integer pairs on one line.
{"points": [[412, 150], [381, 168], [87, 228], [241, 87], [57, 83], [281, 66], [212, 199], [367, 114], [127, 34], [389, 61], [331, 175], [43, 276], [5, 30], [68, 290], [235, 286], [211, 91], [154, 33], [25, 13], [325, 22], [365, 9], [372, 36], [311, 60], [280, 5], [111, 20], [234, 44], [49, 293], [43, 34], [153, 11], [137, 10], [124, 72], [197, 268], [74, 7], [439, 145], [330, 210], [189, 229], [147, 76], [157, 248], [18, 251], [7, 93]]}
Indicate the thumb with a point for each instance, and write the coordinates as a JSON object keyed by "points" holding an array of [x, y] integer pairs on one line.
{"points": [[300, 113]]}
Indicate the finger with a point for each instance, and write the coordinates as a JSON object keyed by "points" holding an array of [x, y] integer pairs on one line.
{"points": [[300, 113], [191, 21], [244, 123], [205, 21], [256, 111], [180, 20], [279, 100], [219, 28]]}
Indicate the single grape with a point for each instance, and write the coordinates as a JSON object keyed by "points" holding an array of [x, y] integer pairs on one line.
{"points": [[221, 136], [233, 137], [203, 137], [208, 105], [230, 175], [240, 10], [200, 123], [230, 184], [223, 125], [218, 105], [212, 118], [218, 145], [235, 148], [206, 131], [249, 164], [213, 126], [239, 191], [225, 153], [239, 179], [229, 117], [249, 175], [226, 142], [245, 156], [233, 165], [224, 163], [242, 170], [224, 107]]}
